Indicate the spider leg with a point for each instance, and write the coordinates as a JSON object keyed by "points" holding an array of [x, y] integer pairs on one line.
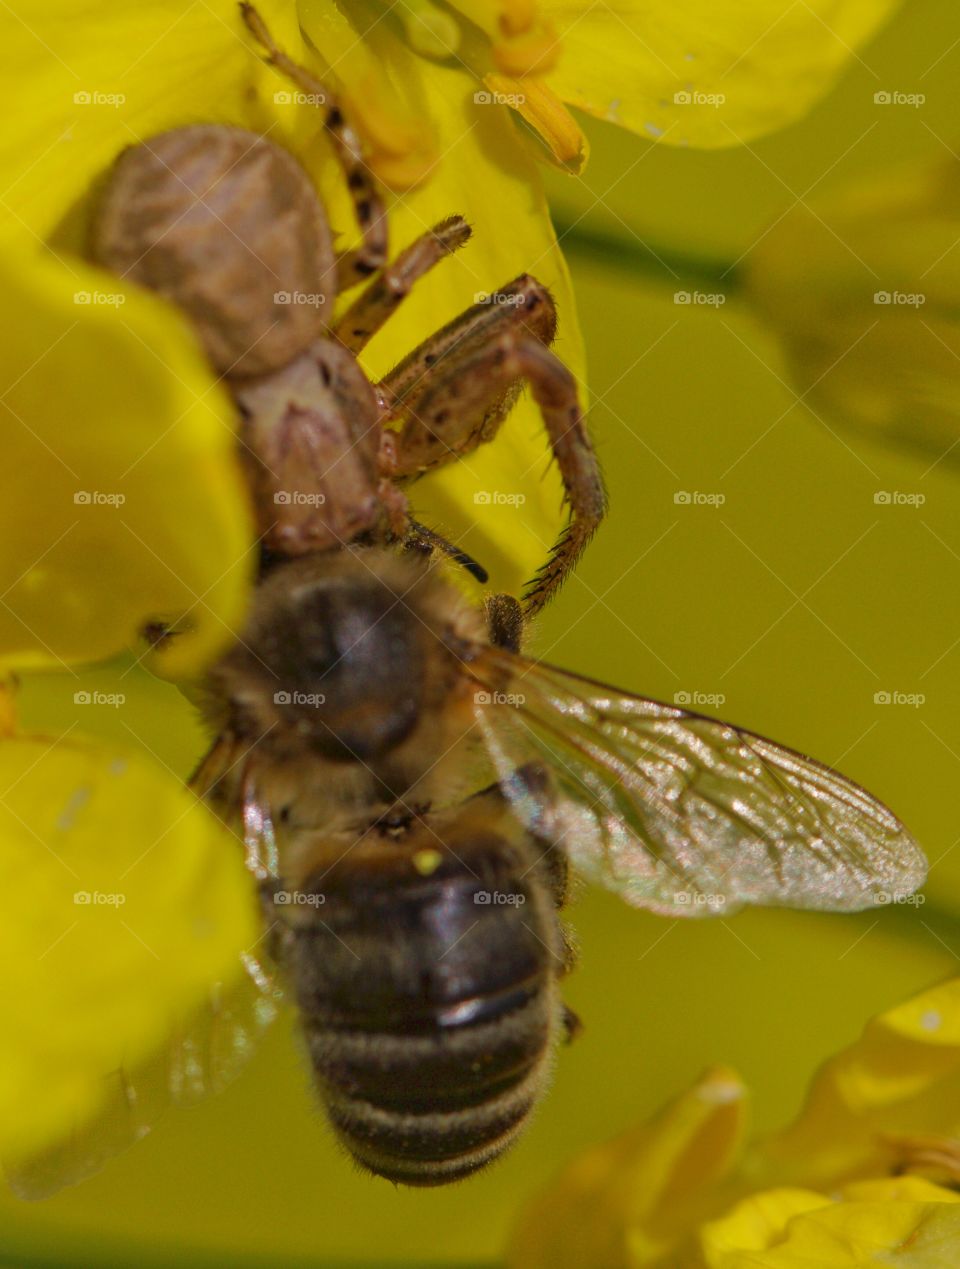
{"points": [[523, 304], [463, 405], [419, 538], [352, 266], [381, 297]]}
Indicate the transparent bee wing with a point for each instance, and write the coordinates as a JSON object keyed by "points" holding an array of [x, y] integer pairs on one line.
{"points": [[679, 813], [225, 780], [205, 1051], [204, 1054]]}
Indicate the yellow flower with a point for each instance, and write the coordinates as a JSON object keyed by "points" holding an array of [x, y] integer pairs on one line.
{"points": [[860, 1174], [862, 290], [865, 1224], [702, 74], [122, 902], [685, 74], [127, 506]]}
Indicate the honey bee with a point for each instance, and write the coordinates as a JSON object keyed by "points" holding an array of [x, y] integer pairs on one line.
{"points": [[410, 791], [227, 225]]}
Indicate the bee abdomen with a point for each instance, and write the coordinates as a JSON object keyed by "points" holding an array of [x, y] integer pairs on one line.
{"points": [[429, 1003], [435, 1147], [424, 1109]]}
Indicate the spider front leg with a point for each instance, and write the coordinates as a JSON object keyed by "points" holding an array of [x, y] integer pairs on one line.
{"points": [[380, 299], [463, 404], [523, 304], [352, 266]]}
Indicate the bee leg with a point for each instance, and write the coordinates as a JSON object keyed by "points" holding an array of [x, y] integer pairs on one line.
{"points": [[572, 1024], [465, 405], [504, 622], [382, 296], [352, 266]]}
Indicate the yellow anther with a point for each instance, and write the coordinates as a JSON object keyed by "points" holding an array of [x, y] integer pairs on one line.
{"points": [[547, 115], [523, 43]]}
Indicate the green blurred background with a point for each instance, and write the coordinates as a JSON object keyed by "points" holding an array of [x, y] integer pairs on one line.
{"points": [[796, 600]]}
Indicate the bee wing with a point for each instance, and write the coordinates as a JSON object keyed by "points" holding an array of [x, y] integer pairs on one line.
{"points": [[679, 813], [226, 780], [204, 1051], [203, 1055]]}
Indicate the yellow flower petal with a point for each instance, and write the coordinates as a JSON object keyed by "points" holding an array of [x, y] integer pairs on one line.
{"points": [[629, 1201], [901, 1078], [898, 1189], [543, 110], [99, 77], [801, 1230], [756, 1224], [699, 74], [128, 504], [123, 900]]}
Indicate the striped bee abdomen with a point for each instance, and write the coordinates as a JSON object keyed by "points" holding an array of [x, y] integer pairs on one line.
{"points": [[429, 1005]]}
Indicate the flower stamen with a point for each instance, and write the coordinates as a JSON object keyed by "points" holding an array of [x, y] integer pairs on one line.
{"points": [[543, 110], [523, 43]]}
